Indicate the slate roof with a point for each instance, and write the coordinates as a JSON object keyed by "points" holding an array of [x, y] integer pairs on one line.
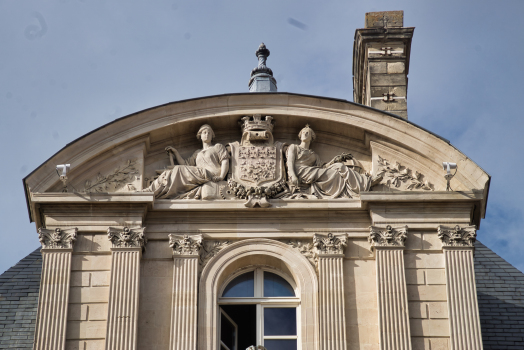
{"points": [[19, 288], [500, 291]]}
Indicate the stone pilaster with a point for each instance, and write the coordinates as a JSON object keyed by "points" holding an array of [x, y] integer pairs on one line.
{"points": [[186, 252], [122, 318], [57, 246], [394, 331], [457, 244], [330, 250]]}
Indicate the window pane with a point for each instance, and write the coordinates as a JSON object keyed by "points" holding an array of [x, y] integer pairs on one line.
{"points": [[242, 286], [227, 332], [276, 286], [280, 321], [280, 344]]}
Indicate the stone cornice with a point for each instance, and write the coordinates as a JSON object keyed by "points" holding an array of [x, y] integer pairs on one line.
{"points": [[127, 237], [185, 245], [57, 238], [388, 237], [457, 236]]}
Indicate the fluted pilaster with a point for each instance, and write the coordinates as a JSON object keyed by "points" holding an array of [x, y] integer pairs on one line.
{"points": [[330, 250], [57, 246], [122, 319], [461, 288], [394, 331], [186, 252]]}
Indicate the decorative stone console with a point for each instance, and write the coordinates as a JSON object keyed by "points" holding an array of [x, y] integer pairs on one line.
{"points": [[394, 331], [330, 250], [464, 322], [57, 246], [122, 319], [186, 252]]}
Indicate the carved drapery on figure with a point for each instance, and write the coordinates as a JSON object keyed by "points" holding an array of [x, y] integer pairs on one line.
{"points": [[457, 236], [127, 237], [330, 244], [185, 245], [57, 238], [388, 237]]}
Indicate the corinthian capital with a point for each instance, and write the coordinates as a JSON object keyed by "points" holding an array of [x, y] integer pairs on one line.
{"points": [[457, 236], [185, 245], [127, 237], [388, 237], [330, 244], [57, 238]]}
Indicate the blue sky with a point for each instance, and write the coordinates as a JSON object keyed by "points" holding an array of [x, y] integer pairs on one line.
{"points": [[70, 66]]}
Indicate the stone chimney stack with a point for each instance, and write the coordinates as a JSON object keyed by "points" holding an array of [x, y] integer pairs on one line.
{"points": [[381, 62]]}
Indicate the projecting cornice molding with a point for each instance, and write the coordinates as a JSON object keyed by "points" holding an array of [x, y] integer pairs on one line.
{"points": [[457, 236], [57, 238], [127, 237], [388, 237], [185, 245]]}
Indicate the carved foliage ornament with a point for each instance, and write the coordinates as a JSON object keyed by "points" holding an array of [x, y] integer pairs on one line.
{"points": [[117, 179], [185, 245], [399, 176], [57, 238], [127, 237], [388, 237], [330, 244], [457, 236], [210, 249], [307, 249]]}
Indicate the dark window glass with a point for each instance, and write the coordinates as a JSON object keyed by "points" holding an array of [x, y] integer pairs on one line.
{"points": [[241, 287], [227, 332], [276, 286], [280, 344], [280, 321]]}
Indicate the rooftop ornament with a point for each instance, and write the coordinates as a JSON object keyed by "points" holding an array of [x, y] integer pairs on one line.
{"points": [[262, 79]]}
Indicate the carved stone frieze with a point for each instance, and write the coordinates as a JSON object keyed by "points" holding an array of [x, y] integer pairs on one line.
{"points": [[57, 238], [120, 177], [307, 249], [457, 236], [400, 177], [185, 245], [210, 249], [388, 237], [330, 244], [127, 237]]}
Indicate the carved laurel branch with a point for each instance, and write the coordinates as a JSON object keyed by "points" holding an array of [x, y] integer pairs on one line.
{"points": [[185, 245], [115, 180], [57, 238], [127, 237], [388, 237], [398, 175], [457, 236]]}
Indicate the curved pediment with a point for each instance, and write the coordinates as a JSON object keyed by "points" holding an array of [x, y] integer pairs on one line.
{"points": [[129, 153]]}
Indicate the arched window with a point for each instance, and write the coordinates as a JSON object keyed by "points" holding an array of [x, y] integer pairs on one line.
{"points": [[259, 307]]}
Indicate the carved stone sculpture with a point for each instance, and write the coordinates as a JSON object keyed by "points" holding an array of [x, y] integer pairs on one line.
{"points": [[457, 236], [330, 244], [400, 177], [331, 180], [57, 238], [388, 237], [210, 249], [120, 177], [211, 163], [307, 249], [185, 245], [127, 237]]}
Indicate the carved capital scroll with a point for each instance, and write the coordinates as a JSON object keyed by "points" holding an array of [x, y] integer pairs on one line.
{"points": [[127, 237], [57, 238], [185, 245], [330, 244], [388, 237], [457, 236]]}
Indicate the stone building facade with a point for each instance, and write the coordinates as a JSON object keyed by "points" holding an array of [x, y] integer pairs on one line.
{"points": [[300, 222]]}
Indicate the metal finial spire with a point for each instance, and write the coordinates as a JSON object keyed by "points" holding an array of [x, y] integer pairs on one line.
{"points": [[261, 76]]}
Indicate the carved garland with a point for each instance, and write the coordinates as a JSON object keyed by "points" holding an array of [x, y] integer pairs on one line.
{"points": [[457, 236], [398, 175], [127, 237], [388, 237], [57, 238], [115, 180]]}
